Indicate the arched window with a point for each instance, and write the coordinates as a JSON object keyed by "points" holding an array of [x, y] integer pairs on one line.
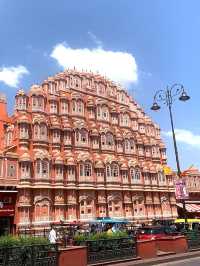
{"points": [[42, 168], [88, 169], [56, 135], [105, 113], [21, 103], [37, 103], [132, 173], [23, 133], [108, 170], [63, 107], [8, 138], [59, 171], [127, 145], [52, 87], [137, 174], [132, 145], [124, 120], [43, 131], [83, 136], [53, 107], [80, 107], [85, 169], [109, 139], [25, 170], [114, 170], [103, 140], [161, 177], [36, 131], [98, 111]]}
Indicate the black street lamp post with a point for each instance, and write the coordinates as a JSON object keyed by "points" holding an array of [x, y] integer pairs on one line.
{"points": [[167, 97]]}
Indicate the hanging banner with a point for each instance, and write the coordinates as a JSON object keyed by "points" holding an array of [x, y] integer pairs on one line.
{"points": [[181, 190]]}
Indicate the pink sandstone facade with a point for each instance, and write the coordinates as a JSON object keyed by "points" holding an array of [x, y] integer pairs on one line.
{"points": [[79, 147]]}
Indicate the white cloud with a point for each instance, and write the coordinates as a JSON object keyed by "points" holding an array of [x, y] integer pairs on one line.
{"points": [[11, 75], [118, 66], [185, 136]]}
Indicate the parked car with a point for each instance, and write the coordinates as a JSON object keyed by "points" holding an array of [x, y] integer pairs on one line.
{"points": [[155, 232]]}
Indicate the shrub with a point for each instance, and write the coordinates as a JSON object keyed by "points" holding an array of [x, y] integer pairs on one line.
{"points": [[9, 241], [79, 238]]}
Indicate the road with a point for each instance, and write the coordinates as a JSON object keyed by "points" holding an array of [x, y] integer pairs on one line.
{"points": [[186, 262]]}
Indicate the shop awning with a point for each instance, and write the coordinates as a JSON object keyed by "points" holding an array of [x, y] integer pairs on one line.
{"points": [[190, 207], [110, 220]]}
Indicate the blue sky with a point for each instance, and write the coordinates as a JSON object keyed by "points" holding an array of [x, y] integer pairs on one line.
{"points": [[155, 42]]}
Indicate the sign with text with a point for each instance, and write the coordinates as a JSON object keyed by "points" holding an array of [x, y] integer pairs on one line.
{"points": [[181, 190]]}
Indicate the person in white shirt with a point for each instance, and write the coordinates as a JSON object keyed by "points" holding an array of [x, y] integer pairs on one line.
{"points": [[52, 235]]}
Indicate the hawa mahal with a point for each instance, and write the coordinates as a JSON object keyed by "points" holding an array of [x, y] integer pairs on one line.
{"points": [[79, 147]]}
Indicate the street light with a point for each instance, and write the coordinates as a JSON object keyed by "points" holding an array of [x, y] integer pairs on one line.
{"points": [[167, 97]]}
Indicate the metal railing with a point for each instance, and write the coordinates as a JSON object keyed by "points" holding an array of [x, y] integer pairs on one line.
{"points": [[105, 250], [32, 232], [30, 255], [193, 238]]}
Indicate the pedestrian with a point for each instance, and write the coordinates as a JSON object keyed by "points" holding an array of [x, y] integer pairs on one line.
{"points": [[52, 235]]}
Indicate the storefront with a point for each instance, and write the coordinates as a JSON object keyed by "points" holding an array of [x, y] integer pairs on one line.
{"points": [[7, 211]]}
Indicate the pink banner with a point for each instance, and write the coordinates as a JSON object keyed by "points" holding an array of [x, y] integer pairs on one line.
{"points": [[180, 190]]}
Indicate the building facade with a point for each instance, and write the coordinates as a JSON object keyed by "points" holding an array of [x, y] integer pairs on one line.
{"points": [[79, 147]]}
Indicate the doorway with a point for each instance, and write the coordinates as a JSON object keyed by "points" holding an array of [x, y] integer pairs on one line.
{"points": [[5, 226]]}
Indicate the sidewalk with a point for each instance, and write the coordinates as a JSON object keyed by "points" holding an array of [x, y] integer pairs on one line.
{"points": [[156, 261]]}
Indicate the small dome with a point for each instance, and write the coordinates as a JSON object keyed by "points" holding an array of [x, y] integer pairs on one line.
{"points": [[99, 164], [25, 157], [37, 90], [71, 161]]}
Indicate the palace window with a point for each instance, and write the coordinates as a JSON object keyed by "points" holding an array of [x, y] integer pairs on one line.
{"points": [[114, 119], [37, 103], [124, 120], [53, 107], [56, 135], [21, 103], [135, 174], [112, 170], [52, 88], [103, 113], [81, 136], [11, 170], [42, 168], [67, 138], [43, 131], [78, 107], [71, 172], [8, 138], [59, 171], [23, 131], [25, 170], [86, 169]]}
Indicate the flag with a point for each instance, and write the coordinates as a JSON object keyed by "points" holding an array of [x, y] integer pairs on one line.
{"points": [[167, 170]]}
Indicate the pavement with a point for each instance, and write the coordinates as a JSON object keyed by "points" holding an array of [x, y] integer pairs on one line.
{"points": [[185, 259], [186, 262]]}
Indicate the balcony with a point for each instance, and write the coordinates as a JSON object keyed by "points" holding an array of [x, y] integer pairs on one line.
{"points": [[86, 181]]}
